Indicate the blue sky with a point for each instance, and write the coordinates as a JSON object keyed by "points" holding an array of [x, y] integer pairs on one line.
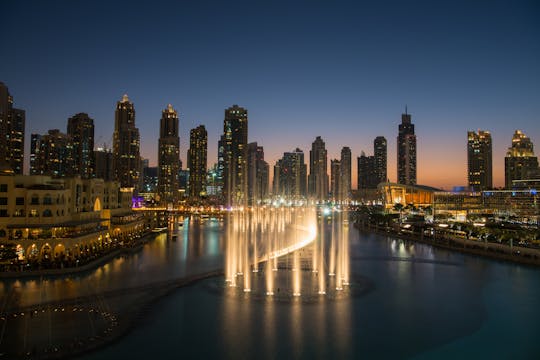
{"points": [[342, 70]]}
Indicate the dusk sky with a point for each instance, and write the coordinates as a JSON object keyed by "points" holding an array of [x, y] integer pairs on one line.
{"points": [[341, 70]]}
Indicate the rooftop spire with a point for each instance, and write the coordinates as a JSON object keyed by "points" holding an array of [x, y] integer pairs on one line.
{"points": [[125, 98]]}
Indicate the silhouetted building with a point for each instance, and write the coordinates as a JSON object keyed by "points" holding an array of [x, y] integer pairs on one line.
{"points": [[406, 151], [520, 162], [12, 124], [367, 173], [290, 175], [197, 161], [52, 154], [80, 129], [104, 164], [479, 162], [380, 153], [126, 145], [258, 174], [235, 135], [335, 179], [168, 156], [345, 176], [318, 172]]}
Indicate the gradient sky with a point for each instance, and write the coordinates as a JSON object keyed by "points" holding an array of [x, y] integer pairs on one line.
{"points": [[342, 70]]}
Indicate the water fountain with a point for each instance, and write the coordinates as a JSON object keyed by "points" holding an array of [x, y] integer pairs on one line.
{"points": [[283, 252]]}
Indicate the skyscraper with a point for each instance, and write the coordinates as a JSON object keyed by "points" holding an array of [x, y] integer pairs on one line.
{"points": [[104, 164], [197, 162], [258, 174], [235, 135], [479, 162], [12, 124], [335, 179], [126, 142], [52, 154], [318, 172], [80, 129], [380, 153], [406, 151], [345, 174], [168, 156], [290, 175], [367, 174], [520, 162]]}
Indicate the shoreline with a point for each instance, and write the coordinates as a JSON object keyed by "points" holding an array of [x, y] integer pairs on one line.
{"points": [[480, 249], [77, 269]]}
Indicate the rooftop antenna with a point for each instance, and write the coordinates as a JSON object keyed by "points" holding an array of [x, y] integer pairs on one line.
{"points": [[406, 109]]}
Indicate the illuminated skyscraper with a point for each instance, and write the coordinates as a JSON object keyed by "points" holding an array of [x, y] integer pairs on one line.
{"points": [[479, 161], [318, 171], [258, 174], [380, 153], [52, 154], [290, 174], [235, 135], [345, 174], [406, 151], [520, 162], [126, 142], [197, 162], [12, 123], [168, 156], [80, 129]]}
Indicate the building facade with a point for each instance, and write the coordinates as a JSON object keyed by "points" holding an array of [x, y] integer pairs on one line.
{"points": [[258, 174], [345, 175], [234, 141], [80, 129], [52, 155], [45, 217], [290, 175], [520, 162], [12, 131], [479, 160], [335, 179], [126, 145], [104, 164], [168, 156], [380, 152], [197, 161], [406, 151], [318, 171]]}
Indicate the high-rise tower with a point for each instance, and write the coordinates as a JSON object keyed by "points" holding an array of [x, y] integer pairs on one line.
{"points": [[290, 175], [479, 163], [380, 153], [197, 161], [345, 174], [12, 124], [234, 140], [126, 142], [168, 156], [406, 151], [258, 174], [318, 172], [80, 129], [520, 162]]}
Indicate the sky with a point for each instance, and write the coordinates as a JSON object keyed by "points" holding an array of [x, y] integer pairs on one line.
{"points": [[343, 70]]}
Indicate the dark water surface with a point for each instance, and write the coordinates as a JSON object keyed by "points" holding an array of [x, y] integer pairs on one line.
{"points": [[421, 303], [424, 303]]}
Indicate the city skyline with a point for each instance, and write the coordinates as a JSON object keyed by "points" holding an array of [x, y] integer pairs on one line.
{"points": [[332, 81]]}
